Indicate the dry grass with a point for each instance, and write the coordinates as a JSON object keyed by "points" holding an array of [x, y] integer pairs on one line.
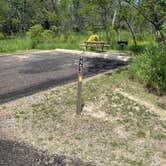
{"points": [[112, 130]]}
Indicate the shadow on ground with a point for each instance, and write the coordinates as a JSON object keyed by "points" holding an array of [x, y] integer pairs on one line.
{"points": [[19, 154]]}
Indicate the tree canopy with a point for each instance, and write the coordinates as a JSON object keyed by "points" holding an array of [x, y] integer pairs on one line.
{"points": [[79, 15]]}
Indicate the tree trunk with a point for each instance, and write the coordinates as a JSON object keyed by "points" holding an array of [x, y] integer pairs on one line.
{"points": [[159, 35], [23, 26], [104, 22], [132, 32], [54, 7], [114, 17], [118, 33]]}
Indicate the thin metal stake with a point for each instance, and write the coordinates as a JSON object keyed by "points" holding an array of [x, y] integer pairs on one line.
{"points": [[79, 90]]}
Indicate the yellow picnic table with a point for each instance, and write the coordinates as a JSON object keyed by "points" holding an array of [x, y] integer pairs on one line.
{"points": [[98, 45]]}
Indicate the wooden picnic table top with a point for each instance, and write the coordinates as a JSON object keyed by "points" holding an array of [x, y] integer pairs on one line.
{"points": [[95, 42]]}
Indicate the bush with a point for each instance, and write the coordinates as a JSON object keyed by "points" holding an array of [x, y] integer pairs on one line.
{"points": [[35, 33], [137, 48], [164, 29], [71, 39], [54, 29], [47, 36], [62, 38], [38, 35], [149, 67]]}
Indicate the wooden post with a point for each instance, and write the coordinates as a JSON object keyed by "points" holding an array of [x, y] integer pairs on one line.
{"points": [[79, 90]]}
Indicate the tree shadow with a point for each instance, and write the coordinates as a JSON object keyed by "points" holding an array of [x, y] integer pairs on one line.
{"points": [[14, 153]]}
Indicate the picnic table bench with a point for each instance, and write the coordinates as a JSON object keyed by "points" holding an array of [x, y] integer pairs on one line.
{"points": [[98, 45]]}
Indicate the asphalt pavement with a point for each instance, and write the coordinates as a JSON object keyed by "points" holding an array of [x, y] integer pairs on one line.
{"points": [[28, 73]]}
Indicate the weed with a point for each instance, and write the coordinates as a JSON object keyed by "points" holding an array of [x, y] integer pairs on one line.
{"points": [[141, 134]]}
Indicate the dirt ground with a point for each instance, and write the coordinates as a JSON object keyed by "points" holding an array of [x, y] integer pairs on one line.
{"points": [[121, 124], [15, 152]]}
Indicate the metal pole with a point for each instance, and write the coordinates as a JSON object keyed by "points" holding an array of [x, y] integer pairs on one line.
{"points": [[79, 90]]}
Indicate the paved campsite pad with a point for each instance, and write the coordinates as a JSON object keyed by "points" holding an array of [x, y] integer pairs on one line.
{"points": [[25, 74], [113, 129]]}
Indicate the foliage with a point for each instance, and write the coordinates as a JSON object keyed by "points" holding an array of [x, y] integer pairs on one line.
{"points": [[152, 11], [62, 38], [2, 36], [54, 28], [164, 28], [15, 44], [69, 41], [47, 36], [35, 34], [138, 48], [149, 67], [17, 17], [38, 35], [112, 34]]}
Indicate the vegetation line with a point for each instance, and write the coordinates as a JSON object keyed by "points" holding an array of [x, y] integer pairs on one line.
{"points": [[161, 112]]}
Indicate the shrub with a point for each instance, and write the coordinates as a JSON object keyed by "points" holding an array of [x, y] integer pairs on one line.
{"points": [[38, 35], [54, 29], [149, 67], [62, 38], [137, 48], [71, 39], [47, 36], [164, 29], [35, 33]]}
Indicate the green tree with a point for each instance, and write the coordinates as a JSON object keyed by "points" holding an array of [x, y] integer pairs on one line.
{"points": [[154, 11]]}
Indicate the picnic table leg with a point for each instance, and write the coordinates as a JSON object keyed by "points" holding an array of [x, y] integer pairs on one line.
{"points": [[96, 47], [122, 46]]}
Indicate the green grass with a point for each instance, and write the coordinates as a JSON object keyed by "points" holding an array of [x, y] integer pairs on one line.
{"points": [[72, 41], [15, 44], [141, 134]]}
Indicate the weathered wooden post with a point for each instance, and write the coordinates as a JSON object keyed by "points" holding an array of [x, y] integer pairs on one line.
{"points": [[79, 90]]}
